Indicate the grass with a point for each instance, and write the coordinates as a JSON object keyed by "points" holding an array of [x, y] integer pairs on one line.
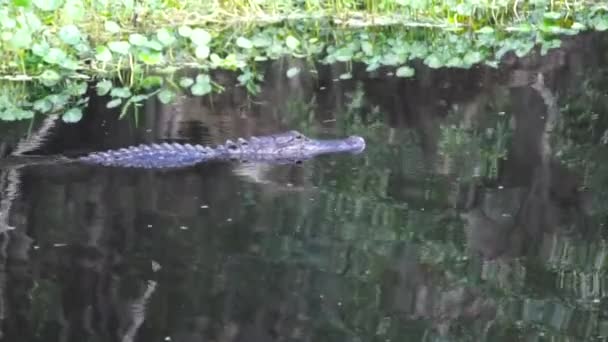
{"points": [[60, 43]]}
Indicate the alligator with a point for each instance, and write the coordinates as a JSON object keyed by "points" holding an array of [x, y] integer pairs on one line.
{"points": [[287, 147]]}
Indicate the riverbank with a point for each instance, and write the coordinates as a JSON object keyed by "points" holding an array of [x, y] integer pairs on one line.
{"points": [[61, 44]]}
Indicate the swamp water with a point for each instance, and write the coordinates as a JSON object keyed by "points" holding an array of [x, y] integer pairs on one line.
{"points": [[475, 213]]}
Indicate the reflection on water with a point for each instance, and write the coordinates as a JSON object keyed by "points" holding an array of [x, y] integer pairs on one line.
{"points": [[472, 215]]}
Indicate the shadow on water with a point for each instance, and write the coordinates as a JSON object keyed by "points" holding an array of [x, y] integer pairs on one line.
{"points": [[466, 218]]}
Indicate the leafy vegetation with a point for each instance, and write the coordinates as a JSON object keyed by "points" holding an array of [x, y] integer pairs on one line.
{"points": [[143, 45]]}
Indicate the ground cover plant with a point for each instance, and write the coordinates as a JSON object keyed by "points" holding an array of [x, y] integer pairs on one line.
{"points": [[134, 50]]}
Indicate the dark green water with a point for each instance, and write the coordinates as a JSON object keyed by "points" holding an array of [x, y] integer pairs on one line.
{"points": [[476, 213]]}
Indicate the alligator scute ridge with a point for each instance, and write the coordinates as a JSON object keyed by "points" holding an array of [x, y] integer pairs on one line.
{"points": [[284, 147]]}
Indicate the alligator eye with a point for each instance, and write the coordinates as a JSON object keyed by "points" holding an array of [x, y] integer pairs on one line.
{"points": [[299, 136]]}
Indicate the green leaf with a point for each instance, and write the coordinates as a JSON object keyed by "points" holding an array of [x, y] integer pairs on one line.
{"points": [[21, 114], [120, 47], [103, 87], [152, 82], [600, 22], [184, 31], [202, 78], [111, 26], [103, 54], [48, 5], [200, 89], [202, 52], [292, 72], [433, 62], [292, 42], [73, 11], [22, 38], [244, 43], [405, 71], [43, 105], [154, 45], [40, 49], [72, 115], [343, 54], [166, 96], [138, 39], [114, 103], [367, 48], [200, 37], [150, 57], [165, 37], [485, 30], [261, 41], [55, 56], [49, 78], [186, 82], [472, 57], [21, 3], [122, 92], [58, 100], [70, 34], [77, 88]]}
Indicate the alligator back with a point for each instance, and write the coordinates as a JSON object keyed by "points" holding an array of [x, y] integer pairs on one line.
{"points": [[154, 156]]}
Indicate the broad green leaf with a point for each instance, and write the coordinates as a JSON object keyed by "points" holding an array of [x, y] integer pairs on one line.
{"points": [[200, 89], [186, 82], [261, 41], [405, 71], [244, 43], [72, 115], [21, 114], [292, 42], [344, 54], [114, 103], [152, 82], [43, 105], [154, 45], [202, 52], [70, 34], [472, 57], [55, 56], [200, 37], [137, 39], [49, 78], [150, 57], [184, 31], [103, 54], [122, 92], [120, 47], [22, 38], [103, 87], [485, 30], [166, 96], [48, 5], [367, 48], [203, 79], [21, 3], [73, 11], [433, 62], [77, 88], [165, 37], [112, 26]]}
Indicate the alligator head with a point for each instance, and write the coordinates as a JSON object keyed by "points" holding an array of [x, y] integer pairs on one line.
{"points": [[291, 145]]}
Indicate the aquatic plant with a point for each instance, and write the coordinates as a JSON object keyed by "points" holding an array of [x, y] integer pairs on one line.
{"points": [[57, 41]]}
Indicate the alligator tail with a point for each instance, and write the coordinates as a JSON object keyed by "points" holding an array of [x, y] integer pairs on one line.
{"points": [[154, 156]]}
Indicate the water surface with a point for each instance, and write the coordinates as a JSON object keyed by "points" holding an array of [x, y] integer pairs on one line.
{"points": [[475, 213]]}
